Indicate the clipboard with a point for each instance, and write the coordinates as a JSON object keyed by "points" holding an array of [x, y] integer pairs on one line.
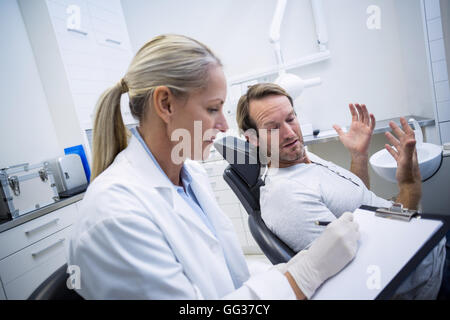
{"points": [[397, 259]]}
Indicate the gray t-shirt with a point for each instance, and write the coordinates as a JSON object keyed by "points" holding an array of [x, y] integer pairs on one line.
{"points": [[294, 198]]}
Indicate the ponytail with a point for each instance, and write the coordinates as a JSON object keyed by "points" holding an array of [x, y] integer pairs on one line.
{"points": [[110, 134]]}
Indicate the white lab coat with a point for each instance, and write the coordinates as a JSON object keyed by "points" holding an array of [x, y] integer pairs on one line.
{"points": [[136, 238]]}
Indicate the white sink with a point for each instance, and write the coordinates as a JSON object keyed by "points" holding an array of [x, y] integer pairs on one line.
{"points": [[429, 157]]}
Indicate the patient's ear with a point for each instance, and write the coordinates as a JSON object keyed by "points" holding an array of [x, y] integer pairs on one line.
{"points": [[252, 137]]}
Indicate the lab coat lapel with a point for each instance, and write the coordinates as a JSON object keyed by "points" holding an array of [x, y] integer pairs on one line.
{"points": [[146, 168], [224, 228], [152, 176], [191, 217], [208, 202]]}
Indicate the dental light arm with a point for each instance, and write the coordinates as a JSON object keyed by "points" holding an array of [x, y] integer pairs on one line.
{"points": [[321, 30], [274, 35], [293, 84]]}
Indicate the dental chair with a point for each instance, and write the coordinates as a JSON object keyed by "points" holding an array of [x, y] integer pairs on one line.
{"points": [[243, 175], [55, 287]]}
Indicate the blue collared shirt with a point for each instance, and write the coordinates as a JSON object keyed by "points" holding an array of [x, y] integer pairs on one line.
{"points": [[186, 193]]}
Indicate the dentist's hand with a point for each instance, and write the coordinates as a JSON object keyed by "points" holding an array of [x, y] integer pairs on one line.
{"points": [[328, 255]]}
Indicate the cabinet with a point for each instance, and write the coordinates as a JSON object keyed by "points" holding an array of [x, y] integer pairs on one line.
{"points": [[215, 166], [31, 252], [28, 233]]}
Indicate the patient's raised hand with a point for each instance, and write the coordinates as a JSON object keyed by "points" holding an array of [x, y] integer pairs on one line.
{"points": [[357, 139], [404, 151]]}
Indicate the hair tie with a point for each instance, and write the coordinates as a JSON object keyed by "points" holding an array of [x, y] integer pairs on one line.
{"points": [[124, 86]]}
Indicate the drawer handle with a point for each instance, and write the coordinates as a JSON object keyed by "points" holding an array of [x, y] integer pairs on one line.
{"points": [[84, 33], [42, 226], [36, 254], [113, 41]]}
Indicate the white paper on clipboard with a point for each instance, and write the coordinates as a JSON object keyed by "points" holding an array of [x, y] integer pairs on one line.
{"points": [[385, 247]]}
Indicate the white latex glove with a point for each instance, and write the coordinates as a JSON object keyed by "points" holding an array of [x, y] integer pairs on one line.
{"points": [[327, 255]]}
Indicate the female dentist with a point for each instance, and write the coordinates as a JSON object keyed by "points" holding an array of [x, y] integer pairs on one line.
{"points": [[149, 225]]}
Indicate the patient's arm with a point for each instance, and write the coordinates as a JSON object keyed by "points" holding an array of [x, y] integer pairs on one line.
{"points": [[408, 173], [357, 140], [360, 167]]}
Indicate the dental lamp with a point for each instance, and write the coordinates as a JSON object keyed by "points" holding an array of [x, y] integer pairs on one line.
{"points": [[293, 84]]}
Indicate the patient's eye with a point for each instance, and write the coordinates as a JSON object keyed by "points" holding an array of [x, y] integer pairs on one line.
{"points": [[212, 110]]}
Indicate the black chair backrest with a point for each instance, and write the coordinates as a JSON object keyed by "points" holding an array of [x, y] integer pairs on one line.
{"points": [[55, 287], [243, 177]]}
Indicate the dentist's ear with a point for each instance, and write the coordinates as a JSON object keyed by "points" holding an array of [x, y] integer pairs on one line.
{"points": [[162, 103]]}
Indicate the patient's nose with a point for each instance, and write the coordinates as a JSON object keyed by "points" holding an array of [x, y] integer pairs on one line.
{"points": [[287, 132]]}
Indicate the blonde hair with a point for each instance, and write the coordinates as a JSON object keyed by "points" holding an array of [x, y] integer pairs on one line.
{"points": [[256, 92], [177, 62]]}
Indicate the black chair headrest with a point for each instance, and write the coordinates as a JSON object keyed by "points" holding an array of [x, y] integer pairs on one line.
{"points": [[242, 157]]}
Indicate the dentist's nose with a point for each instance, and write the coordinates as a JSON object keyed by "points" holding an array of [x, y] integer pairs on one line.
{"points": [[221, 123]]}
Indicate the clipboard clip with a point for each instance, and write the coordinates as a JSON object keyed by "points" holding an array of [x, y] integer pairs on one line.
{"points": [[396, 212]]}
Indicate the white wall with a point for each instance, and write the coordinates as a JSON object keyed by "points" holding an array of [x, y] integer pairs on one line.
{"points": [[26, 129], [419, 96], [382, 68]]}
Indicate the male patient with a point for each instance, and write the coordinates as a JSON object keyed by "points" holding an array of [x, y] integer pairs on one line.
{"points": [[302, 188]]}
